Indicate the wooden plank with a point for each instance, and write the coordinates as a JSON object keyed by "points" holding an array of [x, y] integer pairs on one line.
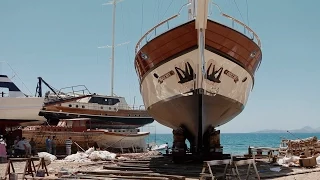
{"points": [[193, 173], [41, 178], [104, 172], [121, 177], [133, 173], [158, 169], [125, 168], [18, 159], [159, 166], [95, 164]]}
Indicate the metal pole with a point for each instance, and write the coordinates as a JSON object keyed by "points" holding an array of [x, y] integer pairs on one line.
{"points": [[191, 9], [134, 102], [201, 15], [112, 56]]}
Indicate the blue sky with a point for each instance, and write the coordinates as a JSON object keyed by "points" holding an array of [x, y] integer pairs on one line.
{"points": [[58, 41]]}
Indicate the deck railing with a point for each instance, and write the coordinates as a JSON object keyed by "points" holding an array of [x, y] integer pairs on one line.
{"points": [[154, 29], [152, 33], [74, 91], [246, 29]]}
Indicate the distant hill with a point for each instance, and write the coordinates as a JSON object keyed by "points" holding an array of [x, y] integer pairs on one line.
{"points": [[306, 129]]}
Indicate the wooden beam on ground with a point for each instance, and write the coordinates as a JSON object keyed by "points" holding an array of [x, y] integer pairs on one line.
{"points": [[160, 166], [133, 173], [96, 164], [119, 177]]}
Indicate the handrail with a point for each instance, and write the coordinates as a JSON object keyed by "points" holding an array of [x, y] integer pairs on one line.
{"points": [[155, 27], [142, 107], [240, 23], [245, 26], [140, 40], [254, 38]]}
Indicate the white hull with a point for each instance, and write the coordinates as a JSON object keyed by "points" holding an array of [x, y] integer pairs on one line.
{"points": [[153, 92], [222, 101], [87, 138], [21, 109], [117, 140]]}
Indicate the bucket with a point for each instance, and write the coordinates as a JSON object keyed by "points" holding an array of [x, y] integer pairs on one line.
{"points": [[40, 173], [13, 176]]}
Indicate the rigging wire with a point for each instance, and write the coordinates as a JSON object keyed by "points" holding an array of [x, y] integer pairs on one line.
{"points": [[238, 10], [141, 19], [126, 38], [15, 74], [98, 40], [167, 9], [247, 12], [155, 10], [159, 7]]}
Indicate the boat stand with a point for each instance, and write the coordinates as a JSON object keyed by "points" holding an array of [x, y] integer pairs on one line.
{"points": [[29, 169], [209, 149]]}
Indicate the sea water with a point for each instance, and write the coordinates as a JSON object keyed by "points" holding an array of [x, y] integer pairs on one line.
{"points": [[238, 143]]}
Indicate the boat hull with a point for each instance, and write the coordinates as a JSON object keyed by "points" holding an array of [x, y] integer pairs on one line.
{"points": [[174, 104], [82, 138], [217, 110], [121, 141], [98, 119], [181, 90], [21, 111], [85, 139]]}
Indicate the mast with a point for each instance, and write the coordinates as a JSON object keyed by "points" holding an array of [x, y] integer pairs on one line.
{"points": [[113, 2], [201, 26], [199, 10], [112, 48]]}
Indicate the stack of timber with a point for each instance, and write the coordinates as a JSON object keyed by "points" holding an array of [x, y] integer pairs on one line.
{"points": [[307, 146], [154, 168]]}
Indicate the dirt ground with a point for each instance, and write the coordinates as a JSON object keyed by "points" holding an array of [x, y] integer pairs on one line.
{"points": [[71, 167]]}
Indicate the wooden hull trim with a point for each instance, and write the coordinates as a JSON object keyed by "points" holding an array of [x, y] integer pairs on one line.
{"points": [[229, 42], [93, 115], [127, 135]]}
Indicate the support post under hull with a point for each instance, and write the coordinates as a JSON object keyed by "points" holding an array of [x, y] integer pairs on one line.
{"points": [[207, 149]]}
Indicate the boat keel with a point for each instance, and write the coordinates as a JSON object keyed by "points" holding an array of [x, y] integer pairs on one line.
{"points": [[207, 149]]}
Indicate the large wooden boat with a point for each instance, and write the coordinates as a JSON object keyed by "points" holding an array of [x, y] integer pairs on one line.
{"points": [[115, 139], [198, 75]]}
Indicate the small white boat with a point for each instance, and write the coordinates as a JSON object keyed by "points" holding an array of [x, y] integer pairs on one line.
{"points": [[159, 147], [17, 108]]}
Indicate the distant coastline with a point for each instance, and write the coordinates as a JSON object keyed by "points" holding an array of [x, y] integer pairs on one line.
{"points": [[306, 129]]}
